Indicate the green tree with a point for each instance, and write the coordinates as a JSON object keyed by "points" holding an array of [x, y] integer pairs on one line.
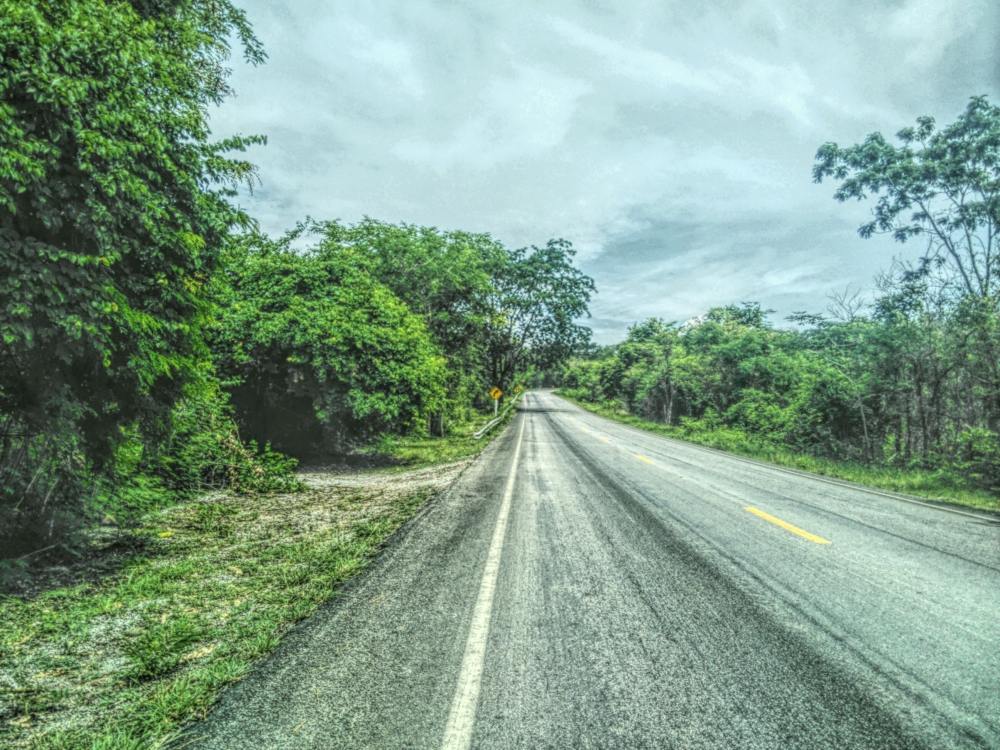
{"points": [[939, 185], [112, 209], [445, 277], [536, 298]]}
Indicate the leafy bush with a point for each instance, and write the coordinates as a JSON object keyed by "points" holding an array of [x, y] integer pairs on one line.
{"points": [[201, 450], [978, 456], [47, 489], [204, 450], [318, 353]]}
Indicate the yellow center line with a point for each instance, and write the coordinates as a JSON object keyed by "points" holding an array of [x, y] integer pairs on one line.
{"points": [[644, 459], [786, 526]]}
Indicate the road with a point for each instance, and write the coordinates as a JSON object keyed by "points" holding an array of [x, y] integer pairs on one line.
{"points": [[587, 585]]}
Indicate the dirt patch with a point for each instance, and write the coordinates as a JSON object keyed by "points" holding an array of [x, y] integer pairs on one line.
{"points": [[431, 477]]}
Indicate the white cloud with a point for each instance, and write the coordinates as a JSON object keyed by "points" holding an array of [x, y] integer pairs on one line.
{"points": [[516, 117], [646, 66]]}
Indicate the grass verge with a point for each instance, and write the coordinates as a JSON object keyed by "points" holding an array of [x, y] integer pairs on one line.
{"points": [[411, 452], [932, 485], [124, 660], [414, 451]]}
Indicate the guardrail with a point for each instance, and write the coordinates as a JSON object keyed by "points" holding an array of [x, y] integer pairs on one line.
{"points": [[496, 420]]}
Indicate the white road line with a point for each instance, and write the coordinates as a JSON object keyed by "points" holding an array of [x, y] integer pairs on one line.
{"points": [[462, 717]]}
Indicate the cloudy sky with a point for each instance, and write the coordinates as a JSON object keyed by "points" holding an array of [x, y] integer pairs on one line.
{"points": [[670, 141]]}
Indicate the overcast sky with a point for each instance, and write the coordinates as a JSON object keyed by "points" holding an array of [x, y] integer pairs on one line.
{"points": [[671, 142]]}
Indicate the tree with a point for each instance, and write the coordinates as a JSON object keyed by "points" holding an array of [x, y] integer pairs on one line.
{"points": [[940, 185], [899, 386], [319, 353], [537, 297], [112, 209], [445, 277]]}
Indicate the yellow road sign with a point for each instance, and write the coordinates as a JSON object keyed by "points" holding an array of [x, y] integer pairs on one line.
{"points": [[495, 393]]}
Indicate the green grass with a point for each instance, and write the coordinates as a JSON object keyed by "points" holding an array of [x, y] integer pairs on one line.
{"points": [[413, 451], [940, 486], [410, 452], [125, 661]]}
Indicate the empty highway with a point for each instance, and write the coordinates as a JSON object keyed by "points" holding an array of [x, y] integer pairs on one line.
{"points": [[587, 585]]}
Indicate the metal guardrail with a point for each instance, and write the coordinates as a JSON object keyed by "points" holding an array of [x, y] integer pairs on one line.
{"points": [[496, 420]]}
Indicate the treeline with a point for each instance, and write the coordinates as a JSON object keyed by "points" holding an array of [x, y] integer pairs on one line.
{"points": [[911, 379], [902, 386], [153, 343]]}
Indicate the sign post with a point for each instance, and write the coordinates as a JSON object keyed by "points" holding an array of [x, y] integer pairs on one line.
{"points": [[495, 394]]}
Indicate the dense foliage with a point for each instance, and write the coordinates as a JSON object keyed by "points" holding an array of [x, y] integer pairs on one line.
{"points": [[896, 387], [318, 351], [445, 277], [112, 209], [120, 250]]}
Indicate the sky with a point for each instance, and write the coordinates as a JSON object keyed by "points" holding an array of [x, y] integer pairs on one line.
{"points": [[671, 142]]}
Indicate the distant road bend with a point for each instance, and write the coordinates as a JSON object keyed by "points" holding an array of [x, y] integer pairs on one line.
{"points": [[585, 584]]}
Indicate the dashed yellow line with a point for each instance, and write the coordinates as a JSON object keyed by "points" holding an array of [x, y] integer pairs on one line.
{"points": [[786, 526], [814, 538]]}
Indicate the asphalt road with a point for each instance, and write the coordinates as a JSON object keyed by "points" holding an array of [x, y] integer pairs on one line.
{"points": [[585, 584]]}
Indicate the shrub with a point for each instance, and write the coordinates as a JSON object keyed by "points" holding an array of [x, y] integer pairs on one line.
{"points": [[978, 457]]}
